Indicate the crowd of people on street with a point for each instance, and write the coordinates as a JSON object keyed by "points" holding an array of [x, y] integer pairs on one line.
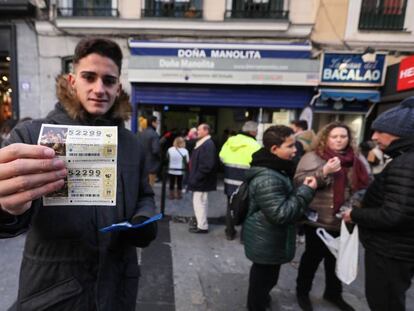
{"points": [[306, 181], [296, 179]]}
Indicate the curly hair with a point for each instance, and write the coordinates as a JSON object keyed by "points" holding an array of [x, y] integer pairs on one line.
{"points": [[321, 141]]}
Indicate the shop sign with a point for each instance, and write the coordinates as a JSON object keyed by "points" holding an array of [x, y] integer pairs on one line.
{"points": [[255, 64], [219, 50], [350, 69], [406, 74], [281, 117]]}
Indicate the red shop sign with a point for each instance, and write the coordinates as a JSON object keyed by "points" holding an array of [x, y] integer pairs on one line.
{"points": [[406, 74]]}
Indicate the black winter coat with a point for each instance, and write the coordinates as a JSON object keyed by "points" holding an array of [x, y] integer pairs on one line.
{"points": [[67, 263], [386, 219], [203, 168]]}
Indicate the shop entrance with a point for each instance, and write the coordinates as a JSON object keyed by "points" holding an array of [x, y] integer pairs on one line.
{"points": [[223, 121], [9, 112]]}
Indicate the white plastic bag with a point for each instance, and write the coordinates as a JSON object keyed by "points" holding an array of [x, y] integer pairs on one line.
{"points": [[330, 242], [345, 249]]}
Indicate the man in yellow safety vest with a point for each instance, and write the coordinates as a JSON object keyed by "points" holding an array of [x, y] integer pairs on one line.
{"points": [[236, 155]]}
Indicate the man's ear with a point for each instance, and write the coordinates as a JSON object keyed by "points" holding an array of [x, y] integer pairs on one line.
{"points": [[71, 79], [274, 149], [119, 90]]}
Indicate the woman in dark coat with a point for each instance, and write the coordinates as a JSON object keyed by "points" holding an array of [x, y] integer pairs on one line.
{"points": [[340, 174]]}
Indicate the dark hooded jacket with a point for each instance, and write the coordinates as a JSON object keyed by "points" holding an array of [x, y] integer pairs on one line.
{"points": [[67, 263], [386, 219]]}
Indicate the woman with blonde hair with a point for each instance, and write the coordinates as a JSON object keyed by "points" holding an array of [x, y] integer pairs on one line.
{"points": [[178, 159], [340, 174]]}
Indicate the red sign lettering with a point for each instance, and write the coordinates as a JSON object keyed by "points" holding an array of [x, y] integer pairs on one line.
{"points": [[406, 74]]}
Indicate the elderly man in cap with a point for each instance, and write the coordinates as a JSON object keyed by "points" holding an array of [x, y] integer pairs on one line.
{"points": [[236, 155], [386, 219]]}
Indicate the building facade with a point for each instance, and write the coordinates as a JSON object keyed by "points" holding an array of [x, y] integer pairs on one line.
{"points": [[258, 41], [367, 31], [222, 61]]}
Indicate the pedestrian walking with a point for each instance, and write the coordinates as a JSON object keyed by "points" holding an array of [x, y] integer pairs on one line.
{"points": [[151, 142], [67, 264], [340, 173], [303, 134], [236, 155], [178, 159], [386, 219], [202, 177], [274, 207]]}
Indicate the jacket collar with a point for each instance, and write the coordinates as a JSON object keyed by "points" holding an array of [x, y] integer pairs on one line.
{"points": [[399, 146], [202, 141], [264, 158]]}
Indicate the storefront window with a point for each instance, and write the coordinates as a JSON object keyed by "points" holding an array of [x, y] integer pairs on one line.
{"points": [[5, 89]]}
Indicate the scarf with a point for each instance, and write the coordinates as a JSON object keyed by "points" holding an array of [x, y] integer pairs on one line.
{"points": [[360, 178], [265, 158]]}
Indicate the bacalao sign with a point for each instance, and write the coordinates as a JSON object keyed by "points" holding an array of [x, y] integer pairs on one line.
{"points": [[406, 74], [349, 69], [222, 63]]}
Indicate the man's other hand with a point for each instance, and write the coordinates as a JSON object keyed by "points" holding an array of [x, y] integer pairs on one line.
{"points": [[346, 216]]}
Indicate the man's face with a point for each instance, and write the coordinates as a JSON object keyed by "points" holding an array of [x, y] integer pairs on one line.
{"points": [[201, 132], [383, 140], [286, 150], [96, 83]]}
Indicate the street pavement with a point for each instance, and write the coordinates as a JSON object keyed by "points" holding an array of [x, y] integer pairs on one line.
{"points": [[201, 272]]}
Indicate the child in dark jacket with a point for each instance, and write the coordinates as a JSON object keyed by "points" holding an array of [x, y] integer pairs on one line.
{"points": [[274, 207]]}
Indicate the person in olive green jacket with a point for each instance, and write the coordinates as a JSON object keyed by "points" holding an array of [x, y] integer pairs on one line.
{"points": [[274, 206]]}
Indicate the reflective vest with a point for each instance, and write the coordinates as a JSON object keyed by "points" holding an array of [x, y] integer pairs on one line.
{"points": [[236, 155]]}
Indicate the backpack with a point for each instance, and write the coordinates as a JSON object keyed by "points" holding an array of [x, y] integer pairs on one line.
{"points": [[239, 203]]}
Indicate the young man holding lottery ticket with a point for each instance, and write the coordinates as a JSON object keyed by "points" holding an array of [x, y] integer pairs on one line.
{"points": [[68, 263]]}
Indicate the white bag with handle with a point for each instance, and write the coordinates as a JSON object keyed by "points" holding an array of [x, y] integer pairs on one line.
{"points": [[345, 249]]}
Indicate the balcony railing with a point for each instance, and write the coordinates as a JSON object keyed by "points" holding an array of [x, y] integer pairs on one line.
{"points": [[265, 14], [179, 10], [87, 11], [267, 10], [383, 17]]}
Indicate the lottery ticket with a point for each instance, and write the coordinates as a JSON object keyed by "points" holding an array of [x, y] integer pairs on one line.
{"points": [[90, 154]]}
